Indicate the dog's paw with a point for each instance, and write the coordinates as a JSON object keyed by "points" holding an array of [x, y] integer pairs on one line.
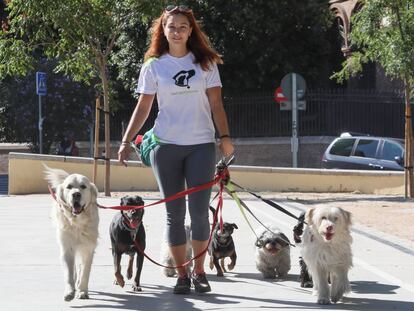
{"points": [[119, 280], [306, 284], [282, 275], [82, 295], [335, 297], [230, 267], [323, 301], [220, 273], [69, 295], [136, 288], [169, 273], [269, 275]]}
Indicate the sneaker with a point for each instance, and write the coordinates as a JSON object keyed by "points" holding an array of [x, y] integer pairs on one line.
{"points": [[200, 283], [183, 286]]}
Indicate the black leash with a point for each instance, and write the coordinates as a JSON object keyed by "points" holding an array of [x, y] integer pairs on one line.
{"points": [[267, 201], [254, 216]]}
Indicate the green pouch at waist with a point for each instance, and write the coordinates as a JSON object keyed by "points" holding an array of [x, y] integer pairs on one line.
{"points": [[149, 142]]}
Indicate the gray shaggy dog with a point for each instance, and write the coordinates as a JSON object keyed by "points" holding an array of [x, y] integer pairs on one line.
{"points": [[272, 253]]}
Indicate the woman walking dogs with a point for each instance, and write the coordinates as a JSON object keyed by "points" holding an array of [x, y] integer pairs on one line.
{"points": [[181, 69]]}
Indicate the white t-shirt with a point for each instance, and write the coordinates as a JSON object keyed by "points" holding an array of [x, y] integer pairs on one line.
{"points": [[184, 116]]}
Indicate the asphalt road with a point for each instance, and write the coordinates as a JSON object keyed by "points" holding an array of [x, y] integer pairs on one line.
{"points": [[31, 274]]}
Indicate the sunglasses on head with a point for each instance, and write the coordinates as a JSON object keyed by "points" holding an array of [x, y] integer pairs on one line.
{"points": [[180, 8]]}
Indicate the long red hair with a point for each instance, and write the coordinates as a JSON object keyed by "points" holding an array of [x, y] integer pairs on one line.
{"points": [[198, 42]]}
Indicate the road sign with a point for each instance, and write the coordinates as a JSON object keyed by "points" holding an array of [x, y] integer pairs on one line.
{"points": [[287, 105], [41, 88], [279, 96], [300, 86]]}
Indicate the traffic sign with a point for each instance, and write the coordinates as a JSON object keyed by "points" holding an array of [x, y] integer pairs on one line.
{"points": [[41, 88], [300, 86], [279, 96], [287, 105]]}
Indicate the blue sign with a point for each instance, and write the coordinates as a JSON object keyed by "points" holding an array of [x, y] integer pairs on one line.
{"points": [[41, 83]]}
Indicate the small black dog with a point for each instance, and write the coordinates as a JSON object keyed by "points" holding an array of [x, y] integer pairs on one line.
{"points": [[304, 277], [127, 227], [222, 246]]}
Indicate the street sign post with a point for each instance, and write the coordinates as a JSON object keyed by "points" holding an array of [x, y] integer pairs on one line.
{"points": [[294, 86], [41, 90]]}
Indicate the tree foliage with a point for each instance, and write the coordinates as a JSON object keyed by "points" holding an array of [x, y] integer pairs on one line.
{"points": [[263, 40], [260, 41], [79, 33], [382, 32], [78, 36]]}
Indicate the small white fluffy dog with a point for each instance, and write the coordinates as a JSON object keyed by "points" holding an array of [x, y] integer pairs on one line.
{"points": [[326, 249], [75, 214], [166, 257], [272, 253]]}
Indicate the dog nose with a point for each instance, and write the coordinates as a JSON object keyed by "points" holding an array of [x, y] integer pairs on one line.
{"points": [[329, 228], [76, 195]]}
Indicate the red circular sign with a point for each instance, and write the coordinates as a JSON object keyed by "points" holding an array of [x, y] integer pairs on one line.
{"points": [[278, 96]]}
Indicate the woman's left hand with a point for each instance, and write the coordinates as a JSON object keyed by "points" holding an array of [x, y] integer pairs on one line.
{"points": [[226, 146]]}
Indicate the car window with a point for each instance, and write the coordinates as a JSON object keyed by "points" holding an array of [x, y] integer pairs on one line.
{"points": [[366, 148], [342, 147], [391, 150]]}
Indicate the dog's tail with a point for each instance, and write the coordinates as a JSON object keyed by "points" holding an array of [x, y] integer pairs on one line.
{"points": [[54, 176]]}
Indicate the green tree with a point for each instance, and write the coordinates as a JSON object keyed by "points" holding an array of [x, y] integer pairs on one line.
{"points": [[383, 32], [80, 34], [263, 40], [260, 41]]}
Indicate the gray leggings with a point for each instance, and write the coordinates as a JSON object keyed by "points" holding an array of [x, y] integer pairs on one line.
{"points": [[175, 165]]}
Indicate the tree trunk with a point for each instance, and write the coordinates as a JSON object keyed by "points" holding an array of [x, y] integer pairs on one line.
{"points": [[104, 79], [408, 159], [96, 145]]}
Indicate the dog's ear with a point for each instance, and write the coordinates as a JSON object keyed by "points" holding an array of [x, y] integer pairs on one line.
{"points": [[347, 217], [309, 216], [54, 176], [94, 192], [234, 226], [123, 201]]}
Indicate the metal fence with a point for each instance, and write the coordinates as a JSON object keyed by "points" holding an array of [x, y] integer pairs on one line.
{"points": [[328, 113]]}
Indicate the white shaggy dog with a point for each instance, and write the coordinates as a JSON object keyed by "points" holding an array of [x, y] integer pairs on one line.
{"points": [[166, 257], [272, 253], [326, 249], [75, 214]]}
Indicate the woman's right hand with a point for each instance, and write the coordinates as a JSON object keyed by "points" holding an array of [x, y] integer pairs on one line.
{"points": [[123, 154]]}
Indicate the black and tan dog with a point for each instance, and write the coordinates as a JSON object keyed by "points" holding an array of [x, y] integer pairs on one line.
{"points": [[222, 246], [126, 228]]}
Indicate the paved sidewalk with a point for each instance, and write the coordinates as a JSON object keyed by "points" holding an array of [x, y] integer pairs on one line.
{"points": [[31, 274]]}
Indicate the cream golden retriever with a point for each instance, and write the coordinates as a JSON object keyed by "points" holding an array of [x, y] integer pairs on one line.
{"points": [[326, 250], [75, 214]]}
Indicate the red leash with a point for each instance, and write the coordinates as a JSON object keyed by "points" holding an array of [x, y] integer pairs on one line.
{"points": [[219, 208], [222, 176], [181, 194]]}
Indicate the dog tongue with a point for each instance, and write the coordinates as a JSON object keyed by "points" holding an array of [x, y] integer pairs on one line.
{"points": [[328, 236], [134, 224], [77, 208]]}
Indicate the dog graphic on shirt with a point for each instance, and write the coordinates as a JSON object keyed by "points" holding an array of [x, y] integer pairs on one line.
{"points": [[182, 77]]}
